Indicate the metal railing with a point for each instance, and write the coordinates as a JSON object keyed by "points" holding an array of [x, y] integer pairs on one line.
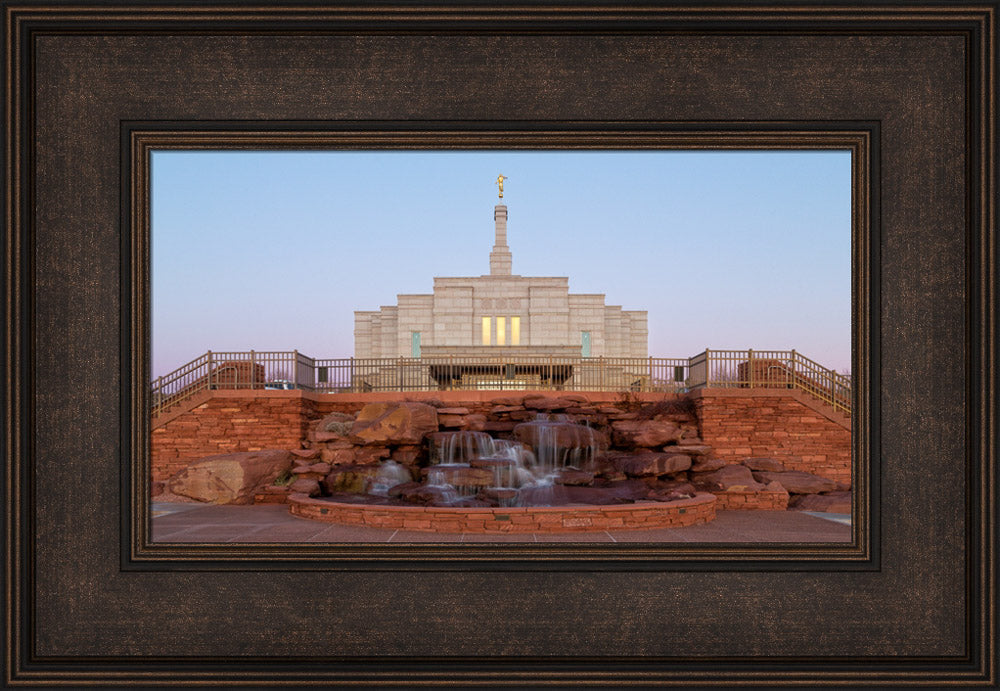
{"points": [[292, 370], [217, 370], [771, 369], [492, 373]]}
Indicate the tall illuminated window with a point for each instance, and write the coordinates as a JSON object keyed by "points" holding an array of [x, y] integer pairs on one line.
{"points": [[487, 327], [515, 331], [501, 330]]}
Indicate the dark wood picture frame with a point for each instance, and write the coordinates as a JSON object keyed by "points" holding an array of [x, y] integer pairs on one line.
{"points": [[87, 598]]}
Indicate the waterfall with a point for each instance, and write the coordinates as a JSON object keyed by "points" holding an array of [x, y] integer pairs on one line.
{"points": [[520, 468], [389, 475]]}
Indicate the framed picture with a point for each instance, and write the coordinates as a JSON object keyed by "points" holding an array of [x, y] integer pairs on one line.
{"points": [[93, 92], [619, 421]]}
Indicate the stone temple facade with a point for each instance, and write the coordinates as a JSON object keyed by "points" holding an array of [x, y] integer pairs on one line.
{"points": [[501, 315]]}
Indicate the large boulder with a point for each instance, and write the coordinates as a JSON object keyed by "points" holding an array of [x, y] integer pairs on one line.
{"points": [[475, 422], [450, 421], [397, 490], [570, 476], [355, 455], [306, 486], [458, 475], [315, 471], [685, 446], [407, 455], [735, 478], [394, 423], [425, 494], [350, 478], [671, 491], [335, 423], [706, 464], [650, 463], [764, 464], [625, 492], [501, 409], [471, 421], [230, 478], [834, 502], [798, 482], [647, 433]]}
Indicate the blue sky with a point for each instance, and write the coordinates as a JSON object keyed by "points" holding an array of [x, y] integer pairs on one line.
{"points": [[275, 250]]}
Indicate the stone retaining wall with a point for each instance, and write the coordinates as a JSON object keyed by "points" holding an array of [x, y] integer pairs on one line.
{"points": [[232, 421], [779, 424], [736, 423], [250, 420], [751, 501], [531, 519]]}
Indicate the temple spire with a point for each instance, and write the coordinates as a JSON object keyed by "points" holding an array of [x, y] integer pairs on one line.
{"points": [[500, 258]]}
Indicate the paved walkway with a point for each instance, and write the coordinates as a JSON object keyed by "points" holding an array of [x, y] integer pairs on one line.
{"points": [[273, 523]]}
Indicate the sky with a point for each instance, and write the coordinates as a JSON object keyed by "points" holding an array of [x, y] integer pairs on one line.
{"points": [[276, 250]]}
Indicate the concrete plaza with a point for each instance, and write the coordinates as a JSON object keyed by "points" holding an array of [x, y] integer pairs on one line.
{"points": [[187, 523]]}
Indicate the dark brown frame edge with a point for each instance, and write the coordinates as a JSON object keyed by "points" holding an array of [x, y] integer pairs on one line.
{"points": [[139, 140], [978, 667]]}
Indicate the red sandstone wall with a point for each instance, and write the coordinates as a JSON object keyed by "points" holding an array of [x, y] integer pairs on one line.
{"points": [[751, 501], [231, 422], [247, 420], [738, 423], [744, 423]]}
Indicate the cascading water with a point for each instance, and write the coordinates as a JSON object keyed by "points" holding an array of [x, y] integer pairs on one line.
{"points": [[389, 475], [523, 471], [448, 493], [558, 443], [461, 447]]}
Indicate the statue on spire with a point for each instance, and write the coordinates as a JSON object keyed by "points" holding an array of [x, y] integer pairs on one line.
{"points": [[500, 180]]}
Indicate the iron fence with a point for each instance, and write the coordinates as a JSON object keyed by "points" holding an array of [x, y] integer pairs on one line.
{"points": [[217, 370], [454, 372], [771, 369], [293, 370]]}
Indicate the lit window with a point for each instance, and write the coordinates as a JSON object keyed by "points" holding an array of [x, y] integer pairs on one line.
{"points": [[515, 331], [501, 330], [487, 327]]}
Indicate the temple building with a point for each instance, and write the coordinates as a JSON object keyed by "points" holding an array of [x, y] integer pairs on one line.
{"points": [[501, 317]]}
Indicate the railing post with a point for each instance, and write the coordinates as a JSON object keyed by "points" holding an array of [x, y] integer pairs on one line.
{"points": [[794, 376], [750, 365], [253, 370], [209, 375]]}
